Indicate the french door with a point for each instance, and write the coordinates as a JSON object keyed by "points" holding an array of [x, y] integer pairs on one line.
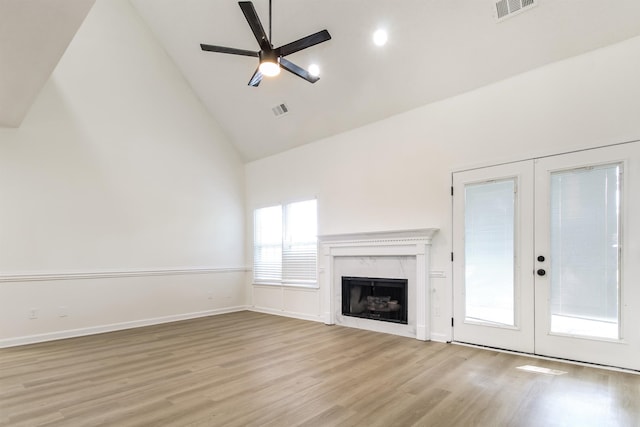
{"points": [[547, 256]]}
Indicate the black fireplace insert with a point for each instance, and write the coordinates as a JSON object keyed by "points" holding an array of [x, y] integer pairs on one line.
{"points": [[375, 298]]}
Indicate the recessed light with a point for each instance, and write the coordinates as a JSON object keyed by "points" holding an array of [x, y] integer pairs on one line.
{"points": [[380, 37], [314, 70]]}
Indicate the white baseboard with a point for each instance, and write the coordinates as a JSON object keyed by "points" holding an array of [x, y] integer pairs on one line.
{"points": [[421, 333], [301, 316], [92, 330]]}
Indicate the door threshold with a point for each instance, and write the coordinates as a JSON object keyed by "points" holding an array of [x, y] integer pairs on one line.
{"points": [[553, 359]]}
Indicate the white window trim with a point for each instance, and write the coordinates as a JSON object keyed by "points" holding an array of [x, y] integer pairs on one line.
{"points": [[290, 284]]}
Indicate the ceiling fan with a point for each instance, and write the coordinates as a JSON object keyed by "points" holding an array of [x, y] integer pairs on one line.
{"points": [[271, 59]]}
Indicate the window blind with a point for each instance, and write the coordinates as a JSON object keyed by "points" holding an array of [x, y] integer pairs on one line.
{"points": [[267, 244], [300, 248], [285, 244]]}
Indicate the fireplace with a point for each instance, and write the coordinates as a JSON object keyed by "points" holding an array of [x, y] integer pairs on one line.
{"points": [[401, 255], [375, 298]]}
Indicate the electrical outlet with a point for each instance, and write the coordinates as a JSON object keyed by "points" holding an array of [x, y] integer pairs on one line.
{"points": [[33, 313], [210, 295], [62, 311]]}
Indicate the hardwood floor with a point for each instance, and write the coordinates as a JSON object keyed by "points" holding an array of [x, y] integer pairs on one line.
{"points": [[259, 370]]}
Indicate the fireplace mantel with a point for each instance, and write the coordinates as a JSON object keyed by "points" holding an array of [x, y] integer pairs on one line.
{"points": [[403, 243]]}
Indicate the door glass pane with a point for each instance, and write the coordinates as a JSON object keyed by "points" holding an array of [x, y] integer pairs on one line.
{"points": [[585, 263], [489, 252]]}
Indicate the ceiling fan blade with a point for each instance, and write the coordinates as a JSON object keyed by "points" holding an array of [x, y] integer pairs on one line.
{"points": [[256, 78], [222, 49], [303, 43], [300, 72], [255, 24]]}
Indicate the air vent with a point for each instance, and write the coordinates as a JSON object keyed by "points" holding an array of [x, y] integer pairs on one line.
{"points": [[280, 110], [507, 8]]}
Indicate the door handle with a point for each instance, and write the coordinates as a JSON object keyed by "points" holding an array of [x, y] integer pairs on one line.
{"points": [[541, 272]]}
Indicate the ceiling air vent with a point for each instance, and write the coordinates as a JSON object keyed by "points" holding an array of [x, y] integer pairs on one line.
{"points": [[280, 110], [508, 8]]}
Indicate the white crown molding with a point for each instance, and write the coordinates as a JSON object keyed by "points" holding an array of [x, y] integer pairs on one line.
{"points": [[114, 274]]}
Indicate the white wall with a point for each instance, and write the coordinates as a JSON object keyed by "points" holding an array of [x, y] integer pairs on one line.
{"points": [[395, 174], [121, 201]]}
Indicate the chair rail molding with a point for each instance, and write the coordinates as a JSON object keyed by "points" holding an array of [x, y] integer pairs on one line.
{"points": [[114, 274]]}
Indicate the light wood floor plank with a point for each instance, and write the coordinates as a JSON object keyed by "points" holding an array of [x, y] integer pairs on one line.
{"points": [[253, 369]]}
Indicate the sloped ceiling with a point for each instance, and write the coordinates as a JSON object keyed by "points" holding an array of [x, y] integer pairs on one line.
{"points": [[34, 34], [437, 49]]}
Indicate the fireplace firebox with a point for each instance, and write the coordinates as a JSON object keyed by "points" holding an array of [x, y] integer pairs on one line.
{"points": [[375, 298]]}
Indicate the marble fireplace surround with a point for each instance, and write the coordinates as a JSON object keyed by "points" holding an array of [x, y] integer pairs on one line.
{"points": [[391, 253]]}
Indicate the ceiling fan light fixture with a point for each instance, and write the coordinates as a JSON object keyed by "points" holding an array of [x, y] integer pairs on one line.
{"points": [[269, 69], [269, 63]]}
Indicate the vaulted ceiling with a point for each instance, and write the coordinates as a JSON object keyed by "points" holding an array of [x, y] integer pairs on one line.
{"points": [[33, 37], [436, 49]]}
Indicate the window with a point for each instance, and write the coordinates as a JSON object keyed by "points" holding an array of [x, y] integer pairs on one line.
{"points": [[285, 244]]}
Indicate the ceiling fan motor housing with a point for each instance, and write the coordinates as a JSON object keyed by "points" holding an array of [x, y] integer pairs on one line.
{"points": [[269, 56]]}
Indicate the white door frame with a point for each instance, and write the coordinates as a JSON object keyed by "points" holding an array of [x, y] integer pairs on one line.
{"points": [[520, 336], [624, 352]]}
